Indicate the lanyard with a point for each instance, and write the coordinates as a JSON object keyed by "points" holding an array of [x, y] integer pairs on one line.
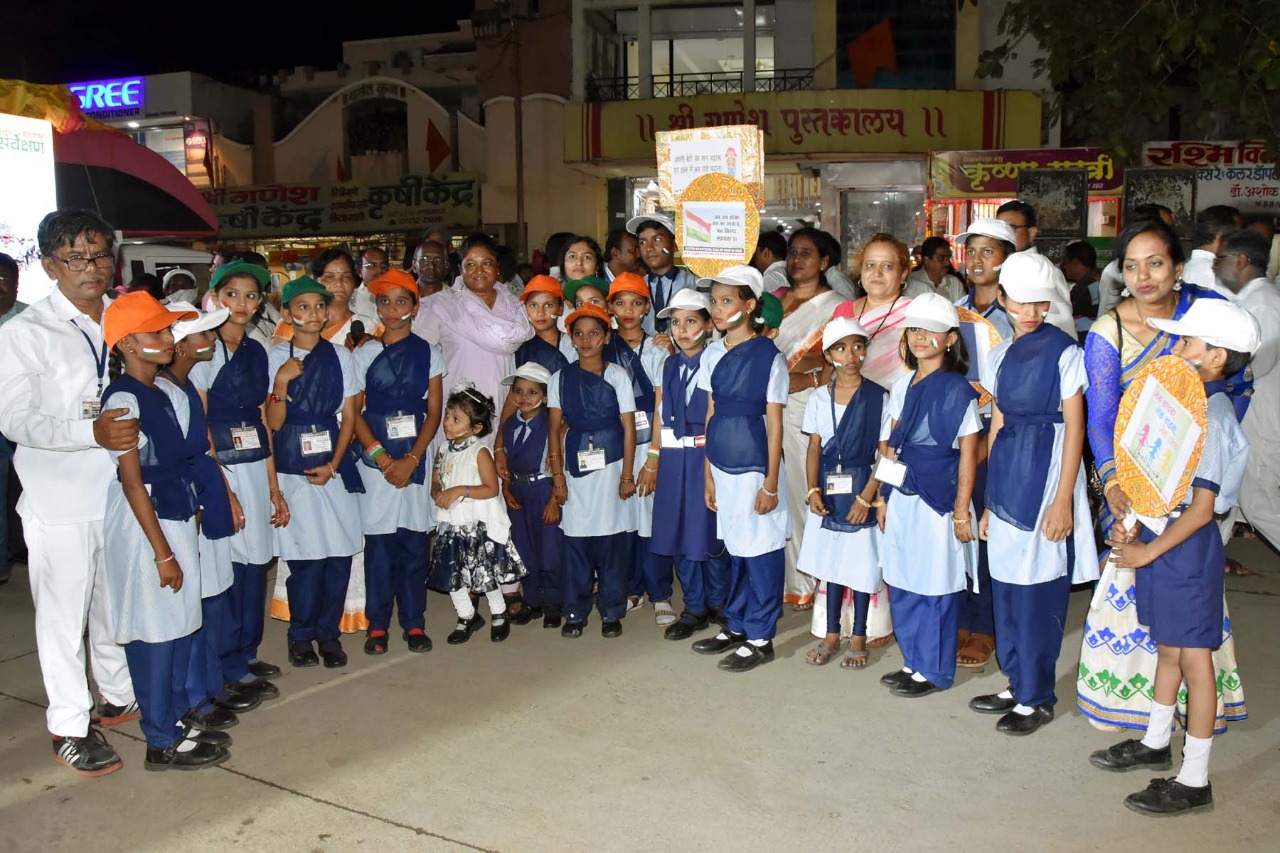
{"points": [[99, 358], [883, 319], [835, 428]]}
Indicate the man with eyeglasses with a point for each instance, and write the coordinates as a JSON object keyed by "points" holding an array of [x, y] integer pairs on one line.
{"points": [[1212, 224], [53, 369], [430, 267], [373, 263]]}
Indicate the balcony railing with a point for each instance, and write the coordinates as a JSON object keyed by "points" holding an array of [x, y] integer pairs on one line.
{"points": [[700, 83]]}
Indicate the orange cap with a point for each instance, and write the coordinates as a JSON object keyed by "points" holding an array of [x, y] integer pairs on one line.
{"points": [[542, 284], [136, 312], [392, 279], [628, 282], [587, 310]]}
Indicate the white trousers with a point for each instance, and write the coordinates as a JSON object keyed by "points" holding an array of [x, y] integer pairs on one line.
{"points": [[1260, 496], [795, 450], [69, 588]]}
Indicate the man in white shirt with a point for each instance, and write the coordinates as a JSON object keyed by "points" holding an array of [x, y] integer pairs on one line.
{"points": [[622, 254], [53, 369], [1265, 224], [771, 259], [1212, 224], [373, 263], [1241, 264]]}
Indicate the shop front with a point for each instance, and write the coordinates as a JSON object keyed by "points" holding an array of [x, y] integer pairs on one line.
{"points": [[1237, 174]]}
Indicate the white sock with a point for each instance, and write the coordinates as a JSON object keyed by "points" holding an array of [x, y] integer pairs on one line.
{"points": [[1023, 709], [1159, 726], [908, 670], [508, 588], [918, 678], [743, 651], [1195, 762], [759, 644], [1007, 693], [497, 606], [461, 599]]}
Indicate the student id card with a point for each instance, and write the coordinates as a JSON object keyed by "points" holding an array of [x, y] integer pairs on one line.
{"points": [[246, 438], [890, 471], [591, 460], [839, 484], [90, 408], [642, 421], [402, 426], [316, 442]]}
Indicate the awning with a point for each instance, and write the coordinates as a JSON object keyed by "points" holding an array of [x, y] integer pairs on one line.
{"points": [[130, 186]]}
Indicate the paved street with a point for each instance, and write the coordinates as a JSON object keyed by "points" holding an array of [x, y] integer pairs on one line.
{"points": [[632, 744]]}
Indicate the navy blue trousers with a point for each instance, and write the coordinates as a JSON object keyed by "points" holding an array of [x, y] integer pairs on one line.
{"points": [[755, 594], [395, 573], [596, 558], [317, 590], [976, 610], [541, 546], [1030, 620], [926, 627], [650, 573], [835, 609], [245, 617], [704, 582], [159, 673], [205, 675]]}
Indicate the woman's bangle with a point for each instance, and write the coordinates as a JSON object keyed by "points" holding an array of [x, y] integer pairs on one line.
{"points": [[499, 449], [650, 470], [955, 520], [333, 472], [561, 476], [627, 478], [816, 490], [862, 501], [377, 448], [653, 452], [413, 456], [767, 492], [165, 560], [879, 504]]}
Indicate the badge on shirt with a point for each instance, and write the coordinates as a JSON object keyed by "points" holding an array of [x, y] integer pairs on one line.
{"points": [[890, 471], [642, 421], [591, 460], [402, 426], [246, 438], [316, 442], [839, 484], [90, 408]]}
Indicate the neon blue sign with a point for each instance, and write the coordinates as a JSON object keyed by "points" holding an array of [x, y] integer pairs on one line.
{"points": [[123, 97]]}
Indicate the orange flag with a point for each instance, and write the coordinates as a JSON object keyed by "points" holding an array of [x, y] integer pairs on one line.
{"points": [[871, 51]]}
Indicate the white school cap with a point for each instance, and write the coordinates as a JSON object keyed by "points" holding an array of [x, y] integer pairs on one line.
{"points": [[1031, 277], [530, 370], [203, 323], [634, 223], [839, 328], [933, 312], [687, 299], [741, 275], [1217, 322], [997, 229]]}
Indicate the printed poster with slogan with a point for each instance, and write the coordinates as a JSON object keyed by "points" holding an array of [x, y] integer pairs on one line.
{"points": [[686, 155], [717, 224]]}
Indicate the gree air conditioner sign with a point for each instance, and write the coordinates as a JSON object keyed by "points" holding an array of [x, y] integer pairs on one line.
{"points": [[124, 97]]}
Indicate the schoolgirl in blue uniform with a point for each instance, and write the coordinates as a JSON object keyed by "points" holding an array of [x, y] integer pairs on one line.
{"points": [[928, 457], [400, 376], [1037, 523], [684, 528], [841, 544], [746, 380], [534, 511], [642, 356], [234, 384], [152, 551], [591, 473], [317, 475], [1180, 570]]}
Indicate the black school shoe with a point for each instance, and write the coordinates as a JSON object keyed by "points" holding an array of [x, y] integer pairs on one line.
{"points": [[332, 654], [259, 689], [417, 640], [262, 669], [611, 628], [912, 689], [893, 679], [1020, 725], [302, 654], [375, 642], [992, 703], [1169, 797], [90, 755], [551, 616], [525, 614], [466, 627], [573, 629], [214, 720], [500, 629], [1130, 755], [219, 739], [736, 662], [686, 626], [722, 642], [204, 756], [237, 703]]}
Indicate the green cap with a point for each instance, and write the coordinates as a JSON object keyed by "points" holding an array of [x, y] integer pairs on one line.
{"points": [[226, 271], [301, 285], [771, 313], [571, 287]]}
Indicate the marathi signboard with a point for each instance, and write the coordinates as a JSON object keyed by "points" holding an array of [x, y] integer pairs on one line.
{"points": [[816, 122], [415, 203], [994, 174], [26, 173], [1232, 173]]}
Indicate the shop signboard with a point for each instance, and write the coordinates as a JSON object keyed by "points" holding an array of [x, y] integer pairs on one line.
{"points": [[840, 121], [994, 174], [414, 203], [1238, 174], [120, 97], [26, 173]]}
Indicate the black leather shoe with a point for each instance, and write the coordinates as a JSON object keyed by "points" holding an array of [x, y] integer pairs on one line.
{"points": [[466, 627], [219, 739], [375, 644], [215, 720], [738, 662], [1169, 796], [725, 641], [573, 629], [526, 614], [262, 669], [1017, 724], [893, 679], [551, 617], [992, 703], [910, 688], [611, 628], [1130, 755], [718, 617], [259, 689], [332, 654], [418, 641], [499, 630], [205, 755], [686, 626], [237, 702], [302, 654]]}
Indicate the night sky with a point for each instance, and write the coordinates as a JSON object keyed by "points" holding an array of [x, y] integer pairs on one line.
{"points": [[62, 41]]}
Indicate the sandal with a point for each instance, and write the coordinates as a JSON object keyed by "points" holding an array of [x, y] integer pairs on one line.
{"points": [[802, 606], [634, 602], [664, 614], [1235, 568], [976, 652], [881, 642], [821, 655], [855, 659], [376, 642]]}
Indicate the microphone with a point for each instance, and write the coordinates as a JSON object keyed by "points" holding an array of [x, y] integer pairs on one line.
{"points": [[357, 330]]}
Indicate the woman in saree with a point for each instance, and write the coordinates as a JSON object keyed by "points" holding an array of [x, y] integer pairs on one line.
{"points": [[1118, 657], [807, 305]]}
